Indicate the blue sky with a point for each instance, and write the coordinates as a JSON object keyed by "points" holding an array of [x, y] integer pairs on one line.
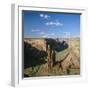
{"points": [[38, 24]]}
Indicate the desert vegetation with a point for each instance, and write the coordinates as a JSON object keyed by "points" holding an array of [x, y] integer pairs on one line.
{"points": [[51, 57]]}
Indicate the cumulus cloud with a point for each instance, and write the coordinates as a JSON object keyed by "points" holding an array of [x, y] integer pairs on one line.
{"points": [[35, 30], [45, 16], [52, 23]]}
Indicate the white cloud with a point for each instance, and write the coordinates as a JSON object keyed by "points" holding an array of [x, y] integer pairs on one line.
{"points": [[56, 23], [35, 30], [67, 34], [45, 16], [42, 33], [41, 15], [50, 35], [44, 36]]}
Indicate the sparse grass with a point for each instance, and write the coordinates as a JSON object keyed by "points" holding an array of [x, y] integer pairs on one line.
{"points": [[35, 70], [42, 70], [74, 71]]}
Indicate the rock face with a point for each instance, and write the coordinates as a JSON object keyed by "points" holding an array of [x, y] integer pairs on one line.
{"points": [[52, 54], [70, 61], [37, 43]]}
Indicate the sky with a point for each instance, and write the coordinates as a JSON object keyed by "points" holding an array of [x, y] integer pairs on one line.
{"points": [[39, 24]]}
